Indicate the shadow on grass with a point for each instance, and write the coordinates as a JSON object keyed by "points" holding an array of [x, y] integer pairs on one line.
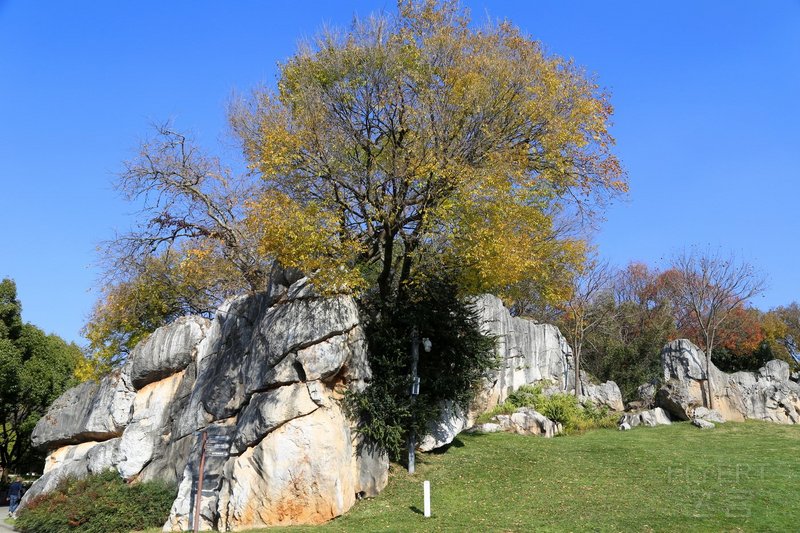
{"points": [[416, 509], [457, 443]]}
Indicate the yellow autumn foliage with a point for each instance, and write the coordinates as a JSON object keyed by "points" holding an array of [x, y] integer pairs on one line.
{"points": [[418, 143]]}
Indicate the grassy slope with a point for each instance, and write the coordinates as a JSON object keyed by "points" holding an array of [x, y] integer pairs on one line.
{"points": [[669, 478]]}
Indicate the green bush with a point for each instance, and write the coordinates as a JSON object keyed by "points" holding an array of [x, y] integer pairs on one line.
{"points": [[526, 396], [102, 503], [452, 371], [560, 407], [563, 408]]}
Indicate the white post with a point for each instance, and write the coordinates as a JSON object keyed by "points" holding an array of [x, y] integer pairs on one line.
{"points": [[426, 489]]}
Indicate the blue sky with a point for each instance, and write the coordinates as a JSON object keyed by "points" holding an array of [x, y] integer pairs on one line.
{"points": [[707, 121]]}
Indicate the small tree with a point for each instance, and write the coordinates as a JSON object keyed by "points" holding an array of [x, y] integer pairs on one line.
{"points": [[708, 287], [584, 311]]}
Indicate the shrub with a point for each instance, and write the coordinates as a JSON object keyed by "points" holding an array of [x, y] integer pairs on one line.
{"points": [[560, 407], [563, 408], [526, 396], [452, 371], [102, 503]]}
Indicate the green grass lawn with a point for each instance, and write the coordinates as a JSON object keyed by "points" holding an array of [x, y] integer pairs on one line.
{"points": [[736, 477]]}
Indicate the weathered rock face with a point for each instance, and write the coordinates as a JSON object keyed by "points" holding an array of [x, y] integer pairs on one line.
{"points": [[167, 350], [90, 411], [768, 394], [650, 418], [603, 395], [529, 353], [262, 381], [527, 421]]}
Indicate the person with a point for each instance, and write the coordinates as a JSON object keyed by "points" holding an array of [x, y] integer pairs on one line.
{"points": [[14, 496]]}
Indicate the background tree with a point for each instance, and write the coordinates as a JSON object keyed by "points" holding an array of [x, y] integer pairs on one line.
{"points": [[626, 347], [782, 333], [190, 251], [423, 149], [35, 369], [588, 306], [709, 287]]}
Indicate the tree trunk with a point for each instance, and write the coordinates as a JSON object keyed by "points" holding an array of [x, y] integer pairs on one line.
{"points": [[578, 371], [385, 277], [710, 346]]}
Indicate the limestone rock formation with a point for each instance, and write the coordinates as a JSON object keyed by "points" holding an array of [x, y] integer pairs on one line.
{"points": [[529, 353], [768, 394], [452, 421], [90, 411], [651, 418], [710, 415], [523, 421], [702, 424], [166, 351], [257, 389], [603, 395]]}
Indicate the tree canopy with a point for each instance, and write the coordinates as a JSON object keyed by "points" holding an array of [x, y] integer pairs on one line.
{"points": [[35, 369], [419, 142], [410, 146]]}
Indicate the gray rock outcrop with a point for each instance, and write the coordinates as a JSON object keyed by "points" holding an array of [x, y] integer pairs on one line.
{"points": [[651, 418], [263, 382], [710, 415], [90, 411], [768, 394], [167, 350], [529, 353], [523, 421], [702, 424], [603, 395]]}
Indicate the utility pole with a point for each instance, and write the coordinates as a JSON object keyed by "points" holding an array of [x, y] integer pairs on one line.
{"points": [[412, 438]]}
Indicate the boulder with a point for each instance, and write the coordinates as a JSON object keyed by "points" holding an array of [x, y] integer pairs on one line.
{"points": [[702, 424], [625, 426], [651, 418], [91, 411], [710, 415], [646, 394], [527, 421], [488, 427], [768, 394], [167, 351], [603, 395], [442, 431]]}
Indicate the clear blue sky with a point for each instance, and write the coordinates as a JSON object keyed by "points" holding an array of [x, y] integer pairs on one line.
{"points": [[707, 98]]}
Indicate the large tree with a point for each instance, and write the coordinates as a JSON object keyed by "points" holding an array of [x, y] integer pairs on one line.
{"points": [[710, 286], [35, 369], [410, 147], [419, 142]]}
